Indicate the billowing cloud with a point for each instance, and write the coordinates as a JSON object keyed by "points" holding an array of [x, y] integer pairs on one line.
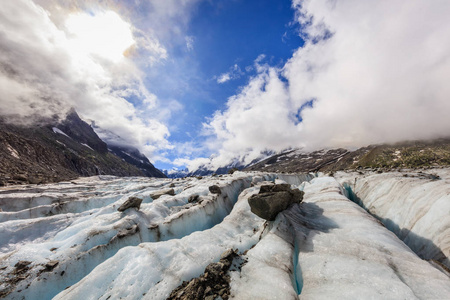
{"points": [[378, 73], [84, 54], [368, 73]]}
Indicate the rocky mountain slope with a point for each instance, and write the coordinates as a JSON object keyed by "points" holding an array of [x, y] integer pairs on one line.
{"points": [[55, 151], [198, 238], [134, 157], [411, 154]]}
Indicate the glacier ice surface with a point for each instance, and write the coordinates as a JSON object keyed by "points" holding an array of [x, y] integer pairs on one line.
{"points": [[413, 205], [325, 248]]}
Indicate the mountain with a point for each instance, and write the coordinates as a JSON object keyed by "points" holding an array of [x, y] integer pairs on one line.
{"points": [[175, 173], [51, 151], [409, 154], [128, 153], [134, 157], [238, 163]]}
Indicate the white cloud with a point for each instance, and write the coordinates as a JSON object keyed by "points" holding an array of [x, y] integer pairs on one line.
{"points": [[104, 34], [223, 78], [377, 72], [192, 164], [381, 77], [55, 56], [234, 72], [189, 43]]}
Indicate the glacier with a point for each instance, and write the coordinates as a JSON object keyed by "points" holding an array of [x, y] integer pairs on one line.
{"points": [[68, 241], [415, 205]]}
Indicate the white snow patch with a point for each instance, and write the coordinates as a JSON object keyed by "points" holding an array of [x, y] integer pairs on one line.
{"points": [[57, 130], [13, 151], [86, 145], [295, 153]]}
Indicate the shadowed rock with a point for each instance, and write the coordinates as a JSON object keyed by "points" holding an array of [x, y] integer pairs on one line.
{"points": [[273, 199], [214, 189], [214, 283], [159, 193], [49, 266], [283, 187], [131, 202], [193, 198]]}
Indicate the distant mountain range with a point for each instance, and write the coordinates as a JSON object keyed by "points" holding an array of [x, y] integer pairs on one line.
{"points": [[238, 163], [54, 151], [410, 154]]}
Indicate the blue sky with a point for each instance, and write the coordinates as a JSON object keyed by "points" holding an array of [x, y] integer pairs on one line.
{"points": [[202, 82], [225, 34]]}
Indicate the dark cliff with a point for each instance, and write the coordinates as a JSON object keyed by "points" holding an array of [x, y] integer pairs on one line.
{"points": [[62, 151]]}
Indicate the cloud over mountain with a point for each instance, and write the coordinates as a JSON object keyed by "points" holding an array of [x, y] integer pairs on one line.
{"points": [[365, 75], [55, 56], [152, 71]]}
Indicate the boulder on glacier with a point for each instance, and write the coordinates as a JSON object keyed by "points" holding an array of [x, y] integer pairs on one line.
{"points": [[214, 283], [273, 199], [131, 202], [159, 193], [194, 198], [214, 189]]}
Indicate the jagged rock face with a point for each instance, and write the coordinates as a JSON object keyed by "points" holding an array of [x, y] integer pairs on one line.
{"points": [[79, 130], [134, 157], [51, 153], [272, 199]]}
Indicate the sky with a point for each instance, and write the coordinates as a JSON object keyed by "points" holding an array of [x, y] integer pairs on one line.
{"points": [[193, 82]]}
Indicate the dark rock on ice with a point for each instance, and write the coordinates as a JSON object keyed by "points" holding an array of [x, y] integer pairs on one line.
{"points": [[193, 198], [215, 189], [159, 193], [231, 171], [274, 188], [51, 265], [131, 202], [214, 282], [21, 266], [273, 199]]}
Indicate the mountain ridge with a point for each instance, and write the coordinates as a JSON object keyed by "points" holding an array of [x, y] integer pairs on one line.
{"points": [[406, 154], [52, 151]]}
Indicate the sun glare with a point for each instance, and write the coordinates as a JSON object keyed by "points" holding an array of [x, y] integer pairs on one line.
{"points": [[104, 34]]}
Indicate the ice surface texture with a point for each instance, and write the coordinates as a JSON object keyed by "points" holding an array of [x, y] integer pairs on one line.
{"points": [[78, 225], [325, 248], [415, 206]]}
